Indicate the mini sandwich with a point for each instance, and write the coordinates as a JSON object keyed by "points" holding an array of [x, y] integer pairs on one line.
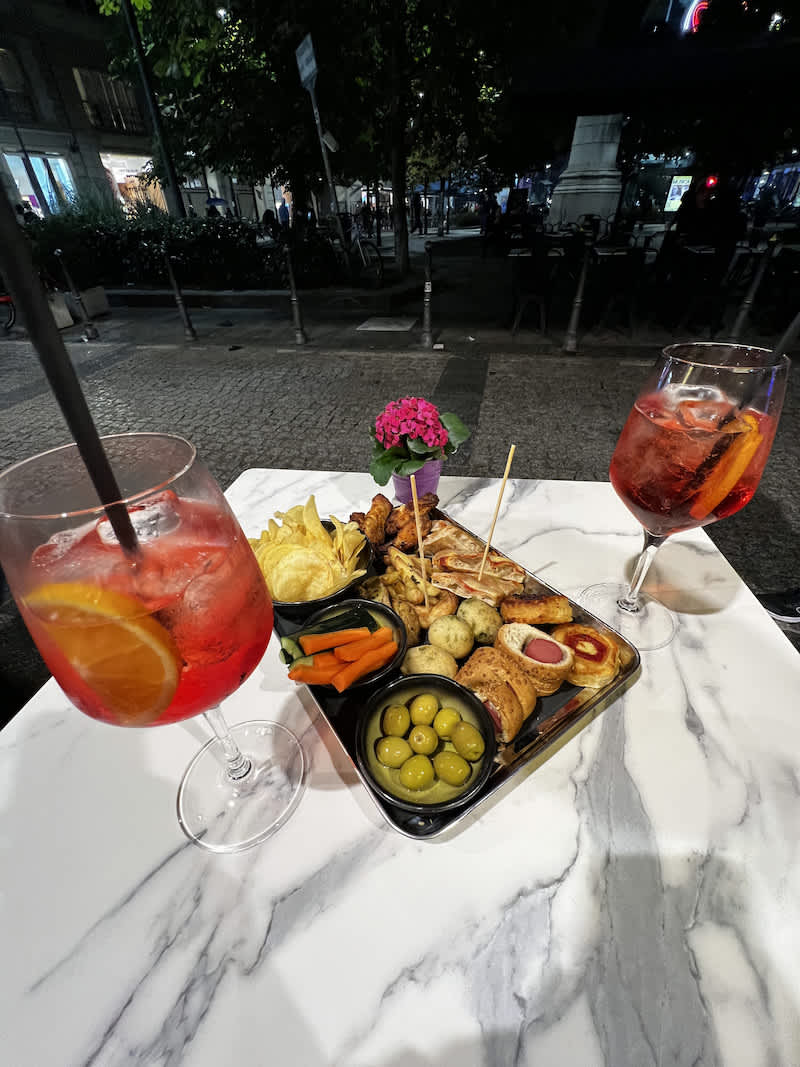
{"points": [[491, 664], [545, 660], [535, 610], [500, 701], [445, 537], [596, 656]]}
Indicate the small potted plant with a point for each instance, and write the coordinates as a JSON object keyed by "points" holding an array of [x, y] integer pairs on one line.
{"points": [[411, 437]]}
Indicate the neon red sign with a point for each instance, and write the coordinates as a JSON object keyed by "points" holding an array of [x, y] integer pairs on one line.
{"points": [[691, 20]]}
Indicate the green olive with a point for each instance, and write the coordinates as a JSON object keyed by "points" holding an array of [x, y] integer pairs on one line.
{"points": [[423, 709], [445, 721], [423, 739], [451, 768], [467, 741], [417, 773], [396, 720], [393, 751]]}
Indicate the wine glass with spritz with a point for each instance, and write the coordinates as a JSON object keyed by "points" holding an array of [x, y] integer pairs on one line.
{"points": [[153, 636], [692, 452]]}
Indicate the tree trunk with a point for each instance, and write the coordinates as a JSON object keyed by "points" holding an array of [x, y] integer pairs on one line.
{"points": [[397, 125]]}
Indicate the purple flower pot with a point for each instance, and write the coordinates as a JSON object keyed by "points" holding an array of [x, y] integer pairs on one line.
{"points": [[427, 479]]}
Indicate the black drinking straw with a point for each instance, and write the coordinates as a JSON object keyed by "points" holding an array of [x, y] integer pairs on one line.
{"points": [[22, 280]]}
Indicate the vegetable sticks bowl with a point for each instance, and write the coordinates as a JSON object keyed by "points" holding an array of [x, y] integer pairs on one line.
{"points": [[347, 644]]}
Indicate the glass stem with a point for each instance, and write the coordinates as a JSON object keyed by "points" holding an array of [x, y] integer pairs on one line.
{"points": [[238, 766], [630, 602]]}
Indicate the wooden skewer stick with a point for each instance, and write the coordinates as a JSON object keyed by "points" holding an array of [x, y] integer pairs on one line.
{"points": [[511, 452], [419, 540]]}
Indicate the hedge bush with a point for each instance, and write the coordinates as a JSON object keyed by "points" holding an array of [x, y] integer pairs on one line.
{"points": [[107, 247]]}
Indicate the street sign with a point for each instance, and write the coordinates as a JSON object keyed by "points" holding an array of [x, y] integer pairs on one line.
{"points": [[306, 62]]}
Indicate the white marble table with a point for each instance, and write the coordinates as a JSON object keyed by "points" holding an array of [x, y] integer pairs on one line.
{"points": [[634, 901]]}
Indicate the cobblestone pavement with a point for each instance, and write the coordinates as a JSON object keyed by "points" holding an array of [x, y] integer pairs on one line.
{"points": [[248, 396]]}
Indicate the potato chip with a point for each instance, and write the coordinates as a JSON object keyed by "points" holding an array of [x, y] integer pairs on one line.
{"points": [[301, 560]]}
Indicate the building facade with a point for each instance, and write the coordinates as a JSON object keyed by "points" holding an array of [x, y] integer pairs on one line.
{"points": [[66, 126]]}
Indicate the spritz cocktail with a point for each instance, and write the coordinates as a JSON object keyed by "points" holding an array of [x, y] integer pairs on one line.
{"points": [[691, 452], [158, 633]]}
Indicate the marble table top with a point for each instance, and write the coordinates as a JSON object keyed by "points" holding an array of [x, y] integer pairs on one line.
{"points": [[633, 901]]}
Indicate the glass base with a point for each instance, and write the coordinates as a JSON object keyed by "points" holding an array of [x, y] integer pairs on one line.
{"points": [[652, 626], [230, 816]]}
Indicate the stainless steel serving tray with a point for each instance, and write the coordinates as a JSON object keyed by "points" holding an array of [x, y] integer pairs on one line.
{"points": [[556, 719]]}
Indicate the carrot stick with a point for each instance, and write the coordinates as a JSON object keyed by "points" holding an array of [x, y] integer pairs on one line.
{"points": [[325, 659], [370, 661], [311, 643], [315, 675], [356, 649]]}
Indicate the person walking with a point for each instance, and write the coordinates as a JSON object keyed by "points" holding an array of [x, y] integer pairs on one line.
{"points": [[283, 214], [416, 213]]}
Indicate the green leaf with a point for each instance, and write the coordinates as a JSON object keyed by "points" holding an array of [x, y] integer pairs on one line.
{"points": [[457, 432], [410, 466], [419, 448], [385, 462]]}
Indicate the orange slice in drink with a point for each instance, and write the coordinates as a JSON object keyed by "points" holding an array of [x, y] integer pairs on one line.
{"points": [[732, 464], [124, 655]]}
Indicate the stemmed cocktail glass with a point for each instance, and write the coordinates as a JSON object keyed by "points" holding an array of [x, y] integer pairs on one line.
{"points": [[691, 452], [159, 632]]}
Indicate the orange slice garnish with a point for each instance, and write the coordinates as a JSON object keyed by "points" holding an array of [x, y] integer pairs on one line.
{"points": [[124, 655], [733, 463]]}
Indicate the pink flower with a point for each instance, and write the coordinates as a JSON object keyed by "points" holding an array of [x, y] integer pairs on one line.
{"points": [[408, 419]]}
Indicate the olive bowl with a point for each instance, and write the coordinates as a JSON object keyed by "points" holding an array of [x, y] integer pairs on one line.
{"points": [[440, 796], [384, 616], [301, 609]]}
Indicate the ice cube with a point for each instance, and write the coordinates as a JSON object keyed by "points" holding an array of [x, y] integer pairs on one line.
{"points": [[151, 518]]}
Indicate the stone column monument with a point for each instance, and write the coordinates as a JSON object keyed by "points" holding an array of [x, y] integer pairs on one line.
{"points": [[591, 184]]}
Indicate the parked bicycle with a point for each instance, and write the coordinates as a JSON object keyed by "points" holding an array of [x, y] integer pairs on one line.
{"points": [[8, 313], [360, 257]]}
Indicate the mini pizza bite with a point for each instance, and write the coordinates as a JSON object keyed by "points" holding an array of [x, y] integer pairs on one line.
{"points": [[596, 656]]}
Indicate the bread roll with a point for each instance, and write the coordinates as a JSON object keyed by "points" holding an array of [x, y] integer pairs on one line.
{"points": [[534, 610], [596, 656], [492, 664], [501, 702], [546, 672]]}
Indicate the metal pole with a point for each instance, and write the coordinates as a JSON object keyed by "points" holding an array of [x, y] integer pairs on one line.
{"points": [[300, 337], [427, 335], [172, 192], [327, 163], [91, 332], [188, 329], [755, 284], [26, 159], [571, 338]]}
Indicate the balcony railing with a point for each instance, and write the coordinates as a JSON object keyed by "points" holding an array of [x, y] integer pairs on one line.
{"points": [[119, 119]]}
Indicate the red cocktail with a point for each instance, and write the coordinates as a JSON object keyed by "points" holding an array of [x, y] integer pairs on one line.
{"points": [[692, 451], [159, 630], [681, 463], [158, 639]]}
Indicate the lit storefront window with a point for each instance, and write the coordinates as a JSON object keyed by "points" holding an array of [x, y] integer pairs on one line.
{"points": [[53, 175]]}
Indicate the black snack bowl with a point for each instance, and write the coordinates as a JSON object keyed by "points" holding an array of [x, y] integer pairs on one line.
{"points": [[384, 616], [300, 609], [439, 797]]}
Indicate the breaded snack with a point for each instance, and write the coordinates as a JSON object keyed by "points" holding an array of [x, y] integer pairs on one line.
{"points": [[491, 664], [535, 610]]}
